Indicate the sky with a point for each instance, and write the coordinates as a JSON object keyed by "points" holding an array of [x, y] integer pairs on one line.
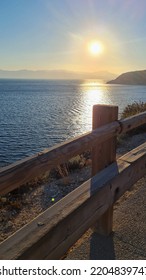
{"points": [[55, 34]]}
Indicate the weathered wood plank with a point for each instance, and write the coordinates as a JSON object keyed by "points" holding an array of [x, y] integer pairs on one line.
{"points": [[21, 172], [27, 169], [68, 219], [102, 156], [132, 122]]}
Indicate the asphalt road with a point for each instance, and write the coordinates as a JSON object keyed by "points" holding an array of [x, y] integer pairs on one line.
{"points": [[128, 239]]}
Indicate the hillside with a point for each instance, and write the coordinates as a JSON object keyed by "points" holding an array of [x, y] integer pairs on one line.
{"points": [[55, 74], [130, 78]]}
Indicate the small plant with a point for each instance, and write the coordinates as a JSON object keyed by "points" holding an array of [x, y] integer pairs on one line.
{"points": [[133, 109]]}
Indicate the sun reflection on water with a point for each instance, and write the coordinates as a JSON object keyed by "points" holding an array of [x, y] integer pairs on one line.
{"points": [[93, 92]]}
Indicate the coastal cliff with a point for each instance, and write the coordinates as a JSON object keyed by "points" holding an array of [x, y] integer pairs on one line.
{"points": [[130, 78]]}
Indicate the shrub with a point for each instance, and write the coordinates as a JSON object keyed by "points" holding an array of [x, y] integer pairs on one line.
{"points": [[133, 109]]}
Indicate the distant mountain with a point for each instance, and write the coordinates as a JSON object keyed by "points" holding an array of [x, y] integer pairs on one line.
{"points": [[55, 74], [131, 78]]}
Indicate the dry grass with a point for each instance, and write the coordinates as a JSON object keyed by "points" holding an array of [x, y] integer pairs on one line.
{"points": [[133, 109]]}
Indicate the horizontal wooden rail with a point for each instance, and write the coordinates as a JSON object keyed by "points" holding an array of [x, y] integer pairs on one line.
{"points": [[52, 233], [23, 171]]}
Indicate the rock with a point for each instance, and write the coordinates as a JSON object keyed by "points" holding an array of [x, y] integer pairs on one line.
{"points": [[40, 224], [3, 199], [9, 225]]}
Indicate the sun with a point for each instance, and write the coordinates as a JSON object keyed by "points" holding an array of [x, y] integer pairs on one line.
{"points": [[95, 48]]}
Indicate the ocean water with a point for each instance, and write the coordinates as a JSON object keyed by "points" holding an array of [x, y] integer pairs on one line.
{"points": [[37, 114]]}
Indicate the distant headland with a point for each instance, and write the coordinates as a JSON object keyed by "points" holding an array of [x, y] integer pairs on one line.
{"points": [[130, 78]]}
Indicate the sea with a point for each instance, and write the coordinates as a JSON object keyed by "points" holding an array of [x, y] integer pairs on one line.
{"points": [[37, 114]]}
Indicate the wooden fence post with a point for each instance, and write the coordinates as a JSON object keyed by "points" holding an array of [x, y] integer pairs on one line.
{"points": [[103, 155]]}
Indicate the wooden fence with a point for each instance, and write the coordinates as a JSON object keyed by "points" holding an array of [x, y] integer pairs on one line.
{"points": [[91, 203]]}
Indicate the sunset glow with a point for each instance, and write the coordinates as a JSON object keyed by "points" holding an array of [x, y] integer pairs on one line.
{"points": [[78, 36], [95, 48]]}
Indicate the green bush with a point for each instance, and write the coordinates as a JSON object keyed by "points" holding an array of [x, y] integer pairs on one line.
{"points": [[133, 109]]}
